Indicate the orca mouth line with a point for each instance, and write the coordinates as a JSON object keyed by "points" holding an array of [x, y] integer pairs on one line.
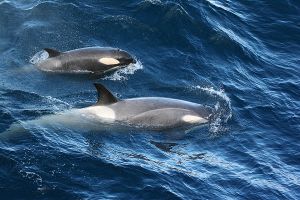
{"points": [[127, 61], [133, 61]]}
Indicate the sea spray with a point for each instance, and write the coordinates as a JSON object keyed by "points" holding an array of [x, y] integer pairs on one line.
{"points": [[222, 112], [122, 73]]}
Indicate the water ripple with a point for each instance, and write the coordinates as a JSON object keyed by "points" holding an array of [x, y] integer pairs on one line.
{"points": [[241, 58]]}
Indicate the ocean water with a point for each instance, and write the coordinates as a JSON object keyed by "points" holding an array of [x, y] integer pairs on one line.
{"points": [[242, 57]]}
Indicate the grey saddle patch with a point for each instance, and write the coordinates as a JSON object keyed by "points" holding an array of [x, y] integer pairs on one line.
{"points": [[166, 117]]}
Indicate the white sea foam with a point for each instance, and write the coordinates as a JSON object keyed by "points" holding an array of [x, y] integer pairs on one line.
{"points": [[38, 57], [35, 177], [5, 1], [57, 104], [122, 73], [153, 1], [223, 111]]}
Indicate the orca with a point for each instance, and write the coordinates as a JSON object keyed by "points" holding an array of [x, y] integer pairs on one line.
{"points": [[109, 112], [155, 113], [97, 60]]}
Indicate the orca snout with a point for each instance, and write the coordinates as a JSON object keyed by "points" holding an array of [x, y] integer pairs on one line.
{"points": [[125, 58]]}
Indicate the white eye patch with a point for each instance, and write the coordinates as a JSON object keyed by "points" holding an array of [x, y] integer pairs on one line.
{"points": [[109, 61], [193, 119]]}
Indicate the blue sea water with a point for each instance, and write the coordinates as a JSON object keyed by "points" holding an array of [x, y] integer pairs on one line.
{"points": [[242, 57]]}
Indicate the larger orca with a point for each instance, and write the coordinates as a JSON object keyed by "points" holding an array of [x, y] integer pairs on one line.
{"points": [[85, 60], [147, 113], [156, 113], [151, 113]]}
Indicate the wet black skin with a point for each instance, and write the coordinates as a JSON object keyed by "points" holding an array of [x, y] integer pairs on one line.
{"points": [[85, 60]]}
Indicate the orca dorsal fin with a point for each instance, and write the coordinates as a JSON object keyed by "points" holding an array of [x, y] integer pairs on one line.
{"points": [[105, 97], [52, 52]]}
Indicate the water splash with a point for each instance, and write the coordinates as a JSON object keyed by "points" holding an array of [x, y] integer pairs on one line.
{"points": [[32, 176], [122, 73], [222, 112], [153, 1], [57, 104], [38, 57]]}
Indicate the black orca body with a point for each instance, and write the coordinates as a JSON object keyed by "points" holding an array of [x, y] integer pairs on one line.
{"points": [[86, 60]]}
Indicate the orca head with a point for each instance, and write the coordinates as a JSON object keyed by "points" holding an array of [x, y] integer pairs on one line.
{"points": [[124, 57], [50, 64]]}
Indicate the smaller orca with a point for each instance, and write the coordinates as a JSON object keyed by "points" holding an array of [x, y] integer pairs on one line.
{"points": [[96, 60]]}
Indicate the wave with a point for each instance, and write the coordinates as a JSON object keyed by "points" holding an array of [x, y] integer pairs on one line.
{"points": [[121, 74], [33, 4], [29, 105]]}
